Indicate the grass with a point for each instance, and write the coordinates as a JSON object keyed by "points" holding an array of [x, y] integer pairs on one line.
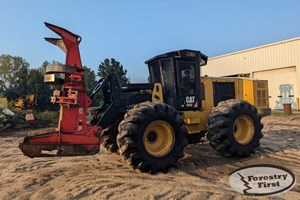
{"points": [[47, 116]]}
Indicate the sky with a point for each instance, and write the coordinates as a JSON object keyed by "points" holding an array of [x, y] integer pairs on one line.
{"points": [[134, 31]]}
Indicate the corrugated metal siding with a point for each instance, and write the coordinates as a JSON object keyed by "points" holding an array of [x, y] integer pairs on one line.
{"points": [[276, 79], [273, 56]]}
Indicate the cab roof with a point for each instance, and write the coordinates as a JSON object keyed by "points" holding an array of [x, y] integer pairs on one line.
{"points": [[184, 53]]}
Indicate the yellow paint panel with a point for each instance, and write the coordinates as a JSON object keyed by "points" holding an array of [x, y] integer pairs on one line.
{"points": [[195, 121], [157, 94], [248, 91], [4, 102]]}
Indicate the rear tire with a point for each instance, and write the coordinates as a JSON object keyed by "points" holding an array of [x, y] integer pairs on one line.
{"points": [[108, 138], [152, 137], [234, 128]]}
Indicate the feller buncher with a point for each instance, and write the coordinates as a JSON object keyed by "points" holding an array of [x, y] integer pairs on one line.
{"points": [[150, 124], [24, 102]]}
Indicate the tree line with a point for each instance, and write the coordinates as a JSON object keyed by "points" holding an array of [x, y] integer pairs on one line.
{"points": [[17, 78]]}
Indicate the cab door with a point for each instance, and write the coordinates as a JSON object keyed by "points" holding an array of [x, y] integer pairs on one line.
{"points": [[188, 85]]}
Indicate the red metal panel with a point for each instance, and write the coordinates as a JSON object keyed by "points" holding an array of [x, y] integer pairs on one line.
{"points": [[73, 128]]}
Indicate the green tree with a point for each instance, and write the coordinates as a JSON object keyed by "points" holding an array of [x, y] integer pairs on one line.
{"points": [[112, 66], [90, 79], [42, 68], [37, 86], [21, 81], [13, 76]]}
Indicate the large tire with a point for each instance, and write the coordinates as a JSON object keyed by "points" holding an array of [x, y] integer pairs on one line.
{"points": [[234, 128], [152, 137], [108, 138]]}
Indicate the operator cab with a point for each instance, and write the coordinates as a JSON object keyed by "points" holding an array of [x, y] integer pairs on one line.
{"points": [[179, 74]]}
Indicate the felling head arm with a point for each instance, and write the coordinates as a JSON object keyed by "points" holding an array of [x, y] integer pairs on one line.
{"points": [[68, 43], [73, 136]]}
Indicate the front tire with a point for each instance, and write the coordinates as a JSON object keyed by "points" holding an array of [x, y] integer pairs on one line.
{"points": [[234, 128], [108, 138], [152, 137]]}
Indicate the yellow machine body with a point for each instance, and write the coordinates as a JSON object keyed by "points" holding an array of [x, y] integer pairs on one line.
{"points": [[253, 91], [25, 102]]}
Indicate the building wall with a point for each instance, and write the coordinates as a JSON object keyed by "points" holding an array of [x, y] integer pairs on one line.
{"points": [[281, 90], [285, 54]]}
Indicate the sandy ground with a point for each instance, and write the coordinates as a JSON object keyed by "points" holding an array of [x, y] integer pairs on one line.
{"points": [[202, 173]]}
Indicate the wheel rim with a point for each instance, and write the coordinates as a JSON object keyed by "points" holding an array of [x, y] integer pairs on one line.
{"points": [[159, 138], [243, 129]]}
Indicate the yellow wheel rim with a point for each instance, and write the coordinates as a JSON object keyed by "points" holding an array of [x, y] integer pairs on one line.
{"points": [[159, 138], [243, 129]]}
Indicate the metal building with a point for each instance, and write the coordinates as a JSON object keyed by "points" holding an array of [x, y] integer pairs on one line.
{"points": [[279, 63]]}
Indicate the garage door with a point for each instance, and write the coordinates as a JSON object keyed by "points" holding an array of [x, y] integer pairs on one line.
{"points": [[282, 86]]}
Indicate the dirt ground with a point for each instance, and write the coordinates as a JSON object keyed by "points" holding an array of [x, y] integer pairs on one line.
{"points": [[201, 174]]}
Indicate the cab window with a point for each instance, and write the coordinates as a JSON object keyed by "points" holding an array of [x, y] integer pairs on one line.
{"points": [[187, 79]]}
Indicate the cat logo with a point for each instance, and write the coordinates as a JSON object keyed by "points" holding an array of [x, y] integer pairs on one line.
{"points": [[189, 101]]}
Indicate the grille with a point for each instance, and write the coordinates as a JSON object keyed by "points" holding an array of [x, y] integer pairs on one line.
{"points": [[261, 94]]}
